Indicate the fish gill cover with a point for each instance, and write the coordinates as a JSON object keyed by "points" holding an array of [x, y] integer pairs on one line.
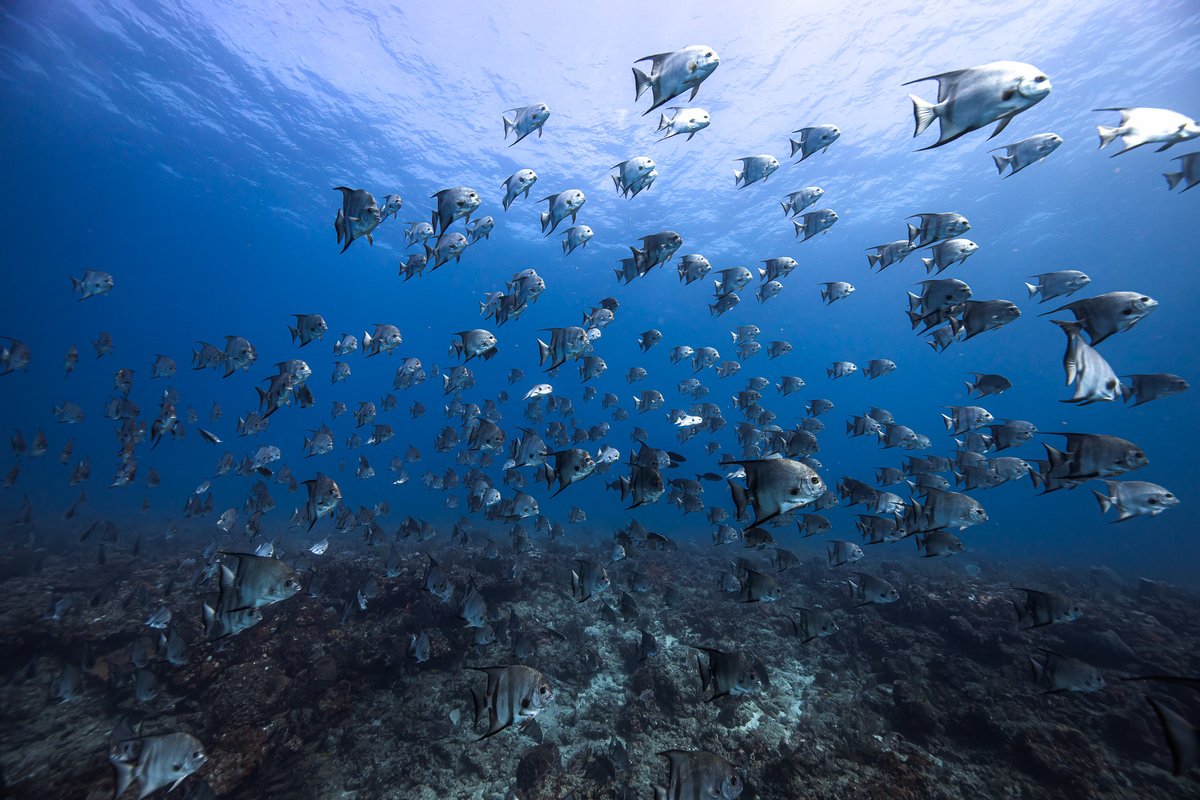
{"points": [[415, 404]]}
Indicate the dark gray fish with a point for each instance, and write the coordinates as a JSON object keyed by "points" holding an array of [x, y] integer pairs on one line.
{"points": [[813, 623], [513, 695], [728, 673], [1046, 608], [1109, 313], [1058, 673], [696, 774]]}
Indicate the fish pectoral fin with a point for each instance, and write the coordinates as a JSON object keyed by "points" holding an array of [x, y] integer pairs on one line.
{"points": [[1007, 118]]}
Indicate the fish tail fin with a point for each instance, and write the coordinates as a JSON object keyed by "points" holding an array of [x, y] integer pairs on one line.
{"points": [[799, 227], [970, 387], [924, 113], [1173, 179], [641, 82], [663, 123], [543, 352], [1033, 290], [1107, 134], [948, 422], [930, 265], [1181, 737], [508, 127], [795, 146], [787, 207], [1104, 500], [295, 333], [913, 233], [76, 283], [616, 181], [1002, 162], [545, 217], [737, 177], [366, 341], [873, 259]]}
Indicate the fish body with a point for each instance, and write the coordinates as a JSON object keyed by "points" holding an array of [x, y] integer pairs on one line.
{"points": [[814, 139], [684, 120], [560, 206], [671, 74], [525, 120], [1141, 126], [1019, 155], [969, 99]]}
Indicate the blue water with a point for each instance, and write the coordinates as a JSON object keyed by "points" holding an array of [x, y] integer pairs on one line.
{"points": [[191, 151]]}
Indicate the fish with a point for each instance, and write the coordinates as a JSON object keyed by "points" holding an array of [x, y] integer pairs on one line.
{"points": [[1045, 608], [526, 120], [436, 583], [814, 139], [1058, 673], [1134, 498], [1061, 283], [1094, 379], [514, 694], [254, 582], [672, 74], [634, 175], [728, 673], [357, 218], [307, 328], [588, 580], [574, 237], [980, 316], [684, 120], [1152, 387], [516, 185], [560, 206], [886, 255], [153, 761], [754, 169], [842, 552], [987, 384], [947, 253], [698, 774], [1110, 313], [1188, 174], [814, 623], [418, 232], [774, 487], [969, 99], [868, 589], [1142, 126], [936, 226], [93, 284], [1019, 155], [815, 222], [457, 202]]}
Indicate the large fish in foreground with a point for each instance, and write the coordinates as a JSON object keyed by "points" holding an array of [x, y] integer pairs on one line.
{"points": [[514, 694], [154, 761], [698, 774], [969, 99], [672, 74], [775, 486]]}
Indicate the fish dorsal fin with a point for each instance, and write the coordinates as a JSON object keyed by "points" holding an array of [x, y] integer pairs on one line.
{"points": [[657, 59]]}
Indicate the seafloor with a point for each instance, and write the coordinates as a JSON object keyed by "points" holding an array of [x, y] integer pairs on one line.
{"points": [[931, 697]]}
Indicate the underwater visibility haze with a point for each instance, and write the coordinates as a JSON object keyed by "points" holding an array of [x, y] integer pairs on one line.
{"points": [[614, 400]]}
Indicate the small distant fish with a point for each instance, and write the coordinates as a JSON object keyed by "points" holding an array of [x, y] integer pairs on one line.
{"points": [[525, 121], [1019, 155], [684, 120], [815, 139], [320, 547], [93, 283], [754, 169], [1059, 673]]}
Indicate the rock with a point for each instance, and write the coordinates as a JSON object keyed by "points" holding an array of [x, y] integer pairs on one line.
{"points": [[535, 765]]}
